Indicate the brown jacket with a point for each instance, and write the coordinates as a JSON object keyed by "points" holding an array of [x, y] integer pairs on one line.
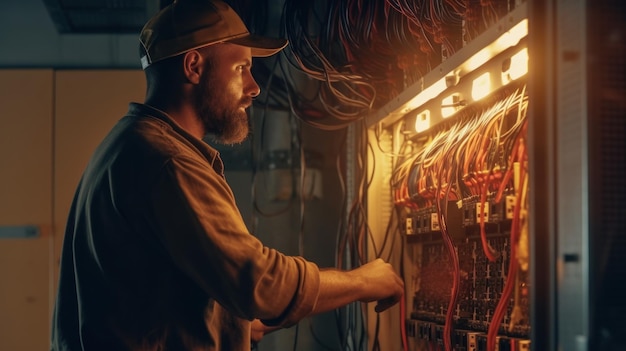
{"points": [[156, 255]]}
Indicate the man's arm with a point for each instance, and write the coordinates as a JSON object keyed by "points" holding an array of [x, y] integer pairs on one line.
{"points": [[374, 281]]}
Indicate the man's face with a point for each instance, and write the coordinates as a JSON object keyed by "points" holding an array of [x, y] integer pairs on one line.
{"points": [[225, 91]]}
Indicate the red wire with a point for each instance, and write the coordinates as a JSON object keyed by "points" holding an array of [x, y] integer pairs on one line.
{"points": [[494, 326], [513, 267], [447, 329], [405, 345], [489, 251]]}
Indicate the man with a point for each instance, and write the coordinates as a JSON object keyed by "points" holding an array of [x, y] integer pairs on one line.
{"points": [[156, 255]]}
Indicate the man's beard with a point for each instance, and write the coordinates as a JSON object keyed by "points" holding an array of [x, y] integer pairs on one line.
{"points": [[223, 120]]}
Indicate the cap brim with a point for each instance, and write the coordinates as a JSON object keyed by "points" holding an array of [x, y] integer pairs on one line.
{"points": [[261, 46]]}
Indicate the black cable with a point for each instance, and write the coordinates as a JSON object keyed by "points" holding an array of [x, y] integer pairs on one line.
{"points": [[295, 337]]}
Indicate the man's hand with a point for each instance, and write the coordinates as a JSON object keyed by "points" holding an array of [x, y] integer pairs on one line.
{"points": [[373, 281], [382, 284], [258, 330]]}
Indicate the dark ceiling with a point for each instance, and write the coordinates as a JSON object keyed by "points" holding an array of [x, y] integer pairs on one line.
{"points": [[101, 16], [128, 16]]}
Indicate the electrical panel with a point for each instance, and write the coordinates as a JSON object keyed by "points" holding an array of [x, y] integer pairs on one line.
{"points": [[454, 145], [507, 183], [462, 198]]}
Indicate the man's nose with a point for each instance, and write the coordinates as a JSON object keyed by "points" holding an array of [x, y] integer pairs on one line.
{"points": [[252, 88]]}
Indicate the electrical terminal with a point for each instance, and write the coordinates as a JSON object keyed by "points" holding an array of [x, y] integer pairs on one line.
{"points": [[439, 335], [424, 222], [499, 211], [481, 342], [469, 212], [460, 341], [434, 222], [408, 226], [509, 206], [505, 343], [472, 341], [425, 331], [482, 212], [523, 345], [411, 328]]}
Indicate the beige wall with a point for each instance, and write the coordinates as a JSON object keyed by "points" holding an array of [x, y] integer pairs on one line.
{"points": [[50, 122], [25, 200], [88, 103]]}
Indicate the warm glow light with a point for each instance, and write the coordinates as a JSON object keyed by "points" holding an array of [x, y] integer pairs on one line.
{"points": [[427, 94], [450, 105], [505, 41], [513, 68], [513, 36], [479, 59], [519, 64], [422, 121], [481, 86]]}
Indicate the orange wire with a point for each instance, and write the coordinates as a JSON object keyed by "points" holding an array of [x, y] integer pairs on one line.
{"points": [[487, 249], [513, 263]]}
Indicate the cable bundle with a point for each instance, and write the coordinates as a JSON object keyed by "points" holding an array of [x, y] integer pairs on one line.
{"points": [[479, 158], [361, 54]]}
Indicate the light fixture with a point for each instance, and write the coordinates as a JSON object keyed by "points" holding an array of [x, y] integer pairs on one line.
{"points": [[422, 121], [459, 79], [481, 86], [508, 39], [515, 67], [512, 37], [450, 104], [479, 59], [427, 94]]}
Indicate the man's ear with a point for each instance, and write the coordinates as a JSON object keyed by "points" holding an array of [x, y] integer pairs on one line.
{"points": [[192, 66]]}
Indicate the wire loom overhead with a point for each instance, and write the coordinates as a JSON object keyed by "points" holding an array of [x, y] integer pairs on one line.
{"points": [[360, 54]]}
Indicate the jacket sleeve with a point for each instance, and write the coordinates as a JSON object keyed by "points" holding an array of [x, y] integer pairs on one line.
{"points": [[201, 228]]}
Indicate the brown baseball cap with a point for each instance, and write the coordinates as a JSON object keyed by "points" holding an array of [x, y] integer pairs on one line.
{"points": [[190, 24]]}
